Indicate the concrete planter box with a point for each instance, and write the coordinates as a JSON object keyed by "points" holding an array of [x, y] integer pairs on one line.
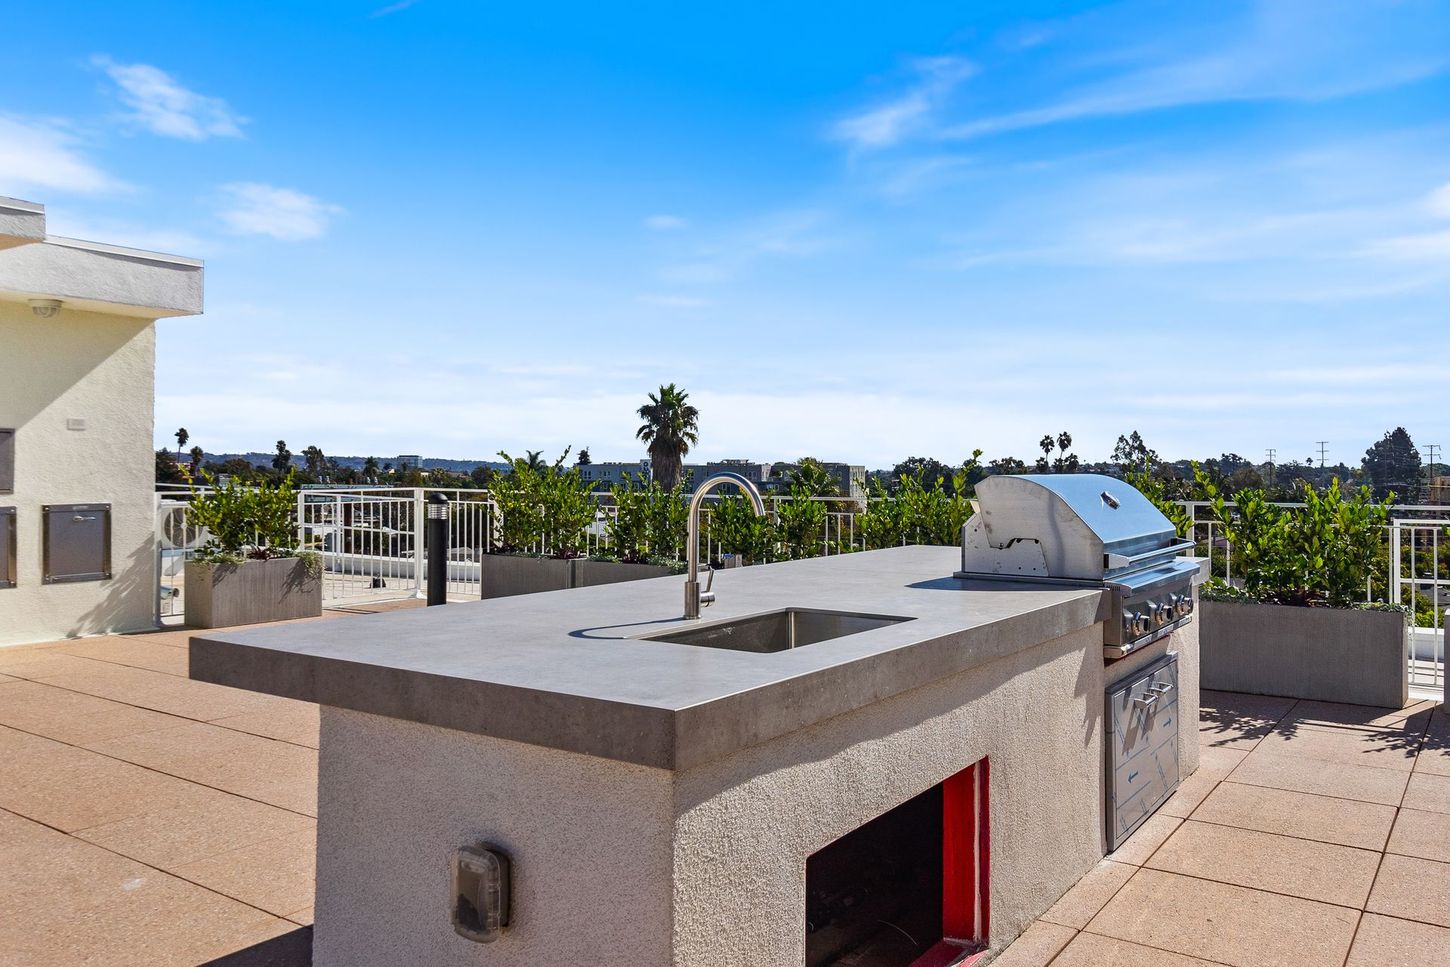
{"points": [[1325, 654], [505, 575], [589, 573], [221, 595]]}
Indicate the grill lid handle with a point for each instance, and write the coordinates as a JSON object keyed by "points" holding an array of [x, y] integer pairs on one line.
{"points": [[1115, 561]]}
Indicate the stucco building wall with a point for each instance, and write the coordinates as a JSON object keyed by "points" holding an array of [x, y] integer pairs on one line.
{"points": [[757, 815], [77, 382], [589, 839], [619, 864], [98, 368]]}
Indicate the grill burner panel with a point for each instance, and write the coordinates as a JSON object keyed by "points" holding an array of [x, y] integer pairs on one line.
{"points": [[1084, 530]]}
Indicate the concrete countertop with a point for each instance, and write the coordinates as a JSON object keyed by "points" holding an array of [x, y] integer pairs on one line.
{"points": [[559, 669]]}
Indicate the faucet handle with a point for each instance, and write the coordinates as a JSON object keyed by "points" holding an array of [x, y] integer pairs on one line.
{"points": [[707, 596]]}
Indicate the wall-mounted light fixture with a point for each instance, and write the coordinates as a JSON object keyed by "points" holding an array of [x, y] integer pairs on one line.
{"points": [[45, 308], [481, 893]]}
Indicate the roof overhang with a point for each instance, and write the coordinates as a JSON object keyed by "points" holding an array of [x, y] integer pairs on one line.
{"points": [[91, 276], [21, 222]]}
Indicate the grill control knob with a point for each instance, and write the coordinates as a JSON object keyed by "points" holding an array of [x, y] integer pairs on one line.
{"points": [[1162, 613], [1182, 605], [1138, 623]]}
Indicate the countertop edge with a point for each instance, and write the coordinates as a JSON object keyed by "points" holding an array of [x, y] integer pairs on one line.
{"points": [[661, 738]]}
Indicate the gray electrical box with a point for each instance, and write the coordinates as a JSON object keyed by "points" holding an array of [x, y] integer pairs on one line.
{"points": [[77, 542], [7, 461], [7, 547]]}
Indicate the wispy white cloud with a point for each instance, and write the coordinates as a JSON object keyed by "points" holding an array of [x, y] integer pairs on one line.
{"points": [[673, 301], [903, 178], [790, 234], [392, 8], [1415, 247], [888, 122], [1439, 201], [46, 155], [160, 104], [1268, 53], [1420, 246], [250, 208], [665, 223], [1027, 36]]}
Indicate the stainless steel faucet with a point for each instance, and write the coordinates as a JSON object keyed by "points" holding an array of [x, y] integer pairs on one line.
{"points": [[694, 597]]}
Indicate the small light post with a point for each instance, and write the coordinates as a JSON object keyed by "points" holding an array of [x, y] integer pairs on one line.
{"points": [[436, 538]]}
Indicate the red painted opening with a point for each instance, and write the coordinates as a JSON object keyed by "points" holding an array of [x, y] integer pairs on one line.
{"points": [[909, 888]]}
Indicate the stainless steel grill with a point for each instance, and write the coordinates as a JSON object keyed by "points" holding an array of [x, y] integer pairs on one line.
{"points": [[1084, 530]]}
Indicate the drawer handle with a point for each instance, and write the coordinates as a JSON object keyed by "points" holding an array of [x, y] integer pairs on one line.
{"points": [[1148, 701], [1162, 688]]}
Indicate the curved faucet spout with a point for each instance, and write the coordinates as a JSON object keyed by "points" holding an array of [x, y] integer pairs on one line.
{"points": [[694, 597]]}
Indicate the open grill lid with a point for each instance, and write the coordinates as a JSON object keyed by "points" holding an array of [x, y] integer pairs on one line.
{"points": [[1087, 527]]}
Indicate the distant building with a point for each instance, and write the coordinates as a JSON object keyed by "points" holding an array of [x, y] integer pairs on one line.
{"points": [[849, 478], [603, 476], [756, 473], [1439, 491], [411, 459]]}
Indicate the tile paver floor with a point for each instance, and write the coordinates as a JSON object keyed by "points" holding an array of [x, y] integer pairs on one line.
{"points": [[1315, 835], [149, 819]]}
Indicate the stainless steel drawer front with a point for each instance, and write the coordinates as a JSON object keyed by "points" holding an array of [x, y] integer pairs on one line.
{"points": [[77, 542], [1142, 753]]}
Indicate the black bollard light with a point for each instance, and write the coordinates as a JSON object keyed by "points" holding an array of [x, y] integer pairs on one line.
{"points": [[437, 540]]}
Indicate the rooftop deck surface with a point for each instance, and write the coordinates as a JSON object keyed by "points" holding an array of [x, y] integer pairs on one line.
{"points": [[149, 819], [1312, 835]]}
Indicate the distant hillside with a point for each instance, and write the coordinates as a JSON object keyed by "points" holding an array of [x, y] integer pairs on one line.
{"points": [[356, 463]]}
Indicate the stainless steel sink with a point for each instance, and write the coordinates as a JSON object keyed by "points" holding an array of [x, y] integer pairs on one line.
{"points": [[776, 630]]}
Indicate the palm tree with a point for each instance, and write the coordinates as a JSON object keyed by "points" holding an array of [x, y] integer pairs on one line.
{"points": [[370, 469], [181, 437], [671, 426], [316, 460], [196, 457]]}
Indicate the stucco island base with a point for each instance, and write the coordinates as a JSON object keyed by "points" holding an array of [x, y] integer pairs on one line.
{"points": [[628, 865]]}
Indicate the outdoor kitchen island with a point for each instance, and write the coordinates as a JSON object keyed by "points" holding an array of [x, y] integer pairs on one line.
{"points": [[865, 797]]}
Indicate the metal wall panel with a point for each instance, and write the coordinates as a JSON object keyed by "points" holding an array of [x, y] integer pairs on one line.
{"points": [[77, 541], [7, 461], [7, 547]]}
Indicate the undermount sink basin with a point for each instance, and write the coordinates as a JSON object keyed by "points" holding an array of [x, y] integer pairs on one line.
{"points": [[776, 630]]}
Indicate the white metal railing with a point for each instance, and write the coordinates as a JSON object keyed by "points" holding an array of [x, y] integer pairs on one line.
{"points": [[368, 542], [1419, 569], [371, 540], [176, 540]]}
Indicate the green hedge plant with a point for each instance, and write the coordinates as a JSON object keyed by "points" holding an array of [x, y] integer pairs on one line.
{"points": [[919, 512], [649, 522], [1322, 553], [545, 507], [245, 522]]}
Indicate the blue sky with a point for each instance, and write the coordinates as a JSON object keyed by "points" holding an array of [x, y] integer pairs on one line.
{"points": [[860, 231]]}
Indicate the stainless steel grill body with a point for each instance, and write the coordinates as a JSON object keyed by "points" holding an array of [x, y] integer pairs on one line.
{"points": [[1086, 530]]}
